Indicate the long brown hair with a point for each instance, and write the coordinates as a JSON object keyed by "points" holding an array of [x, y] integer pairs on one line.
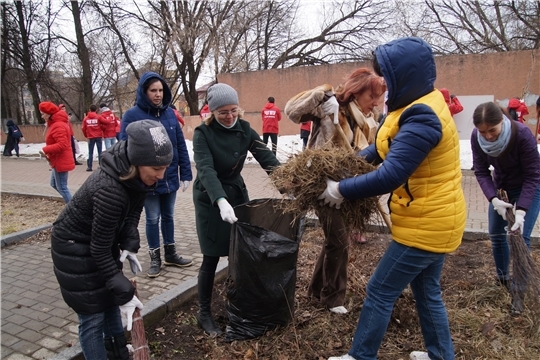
{"points": [[489, 113], [362, 79]]}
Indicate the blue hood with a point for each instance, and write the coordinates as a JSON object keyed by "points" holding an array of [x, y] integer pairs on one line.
{"points": [[142, 100], [408, 67]]}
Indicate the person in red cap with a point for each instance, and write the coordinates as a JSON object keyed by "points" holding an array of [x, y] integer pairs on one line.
{"points": [[57, 148]]}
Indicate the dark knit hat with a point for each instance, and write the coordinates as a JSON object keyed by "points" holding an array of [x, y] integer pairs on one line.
{"points": [[219, 95], [148, 144], [48, 107]]}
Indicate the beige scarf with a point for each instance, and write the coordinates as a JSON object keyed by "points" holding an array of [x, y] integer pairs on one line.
{"points": [[364, 133]]}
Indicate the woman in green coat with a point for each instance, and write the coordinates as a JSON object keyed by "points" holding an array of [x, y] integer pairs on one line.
{"points": [[220, 147]]}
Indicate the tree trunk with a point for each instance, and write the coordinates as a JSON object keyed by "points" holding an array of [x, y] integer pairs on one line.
{"points": [[27, 62], [84, 57]]}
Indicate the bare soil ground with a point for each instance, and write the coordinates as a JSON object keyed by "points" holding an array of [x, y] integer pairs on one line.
{"points": [[479, 311], [25, 212]]}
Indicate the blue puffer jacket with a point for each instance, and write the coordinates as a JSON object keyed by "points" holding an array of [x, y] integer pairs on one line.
{"points": [[144, 109], [418, 148], [408, 79]]}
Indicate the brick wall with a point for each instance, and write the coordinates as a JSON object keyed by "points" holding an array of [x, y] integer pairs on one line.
{"points": [[503, 75]]}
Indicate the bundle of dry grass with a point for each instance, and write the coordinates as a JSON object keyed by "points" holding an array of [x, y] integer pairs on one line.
{"points": [[525, 272], [304, 177]]}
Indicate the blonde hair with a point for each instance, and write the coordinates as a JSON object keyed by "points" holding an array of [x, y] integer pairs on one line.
{"points": [[133, 172]]}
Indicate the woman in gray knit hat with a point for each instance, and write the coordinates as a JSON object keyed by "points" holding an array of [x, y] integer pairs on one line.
{"points": [[97, 231], [220, 147]]}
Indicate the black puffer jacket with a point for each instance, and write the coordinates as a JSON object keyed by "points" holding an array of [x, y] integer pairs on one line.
{"points": [[100, 220]]}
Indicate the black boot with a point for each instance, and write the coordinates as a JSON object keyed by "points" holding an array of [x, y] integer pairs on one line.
{"points": [[172, 258], [204, 293], [517, 303], [155, 263], [116, 348]]}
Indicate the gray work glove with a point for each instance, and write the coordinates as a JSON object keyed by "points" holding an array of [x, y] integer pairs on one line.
{"points": [[134, 263], [129, 308]]}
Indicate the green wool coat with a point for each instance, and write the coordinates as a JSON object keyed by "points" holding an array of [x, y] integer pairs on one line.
{"points": [[219, 154]]}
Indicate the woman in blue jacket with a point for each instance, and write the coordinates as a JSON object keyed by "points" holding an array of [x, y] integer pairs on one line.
{"points": [[153, 100], [510, 147]]}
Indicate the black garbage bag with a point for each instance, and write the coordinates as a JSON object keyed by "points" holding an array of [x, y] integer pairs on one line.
{"points": [[262, 269]]}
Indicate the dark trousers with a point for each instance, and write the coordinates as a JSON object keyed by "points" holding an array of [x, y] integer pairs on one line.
{"points": [[273, 138], [10, 145], [329, 280], [304, 135], [73, 148], [91, 142]]}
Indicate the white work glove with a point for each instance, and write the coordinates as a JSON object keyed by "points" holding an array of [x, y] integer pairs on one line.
{"points": [[331, 106], [331, 195], [129, 308], [226, 211], [134, 263], [185, 185], [501, 206], [520, 221]]}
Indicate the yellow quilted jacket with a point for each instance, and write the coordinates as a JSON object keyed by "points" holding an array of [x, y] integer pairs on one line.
{"points": [[428, 211]]}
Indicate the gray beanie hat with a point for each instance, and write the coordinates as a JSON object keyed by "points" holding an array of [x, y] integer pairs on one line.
{"points": [[148, 144], [219, 95]]}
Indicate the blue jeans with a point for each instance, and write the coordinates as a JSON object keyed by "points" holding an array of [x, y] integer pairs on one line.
{"points": [[91, 142], [94, 327], [156, 206], [109, 142], [402, 265], [498, 233], [59, 182]]}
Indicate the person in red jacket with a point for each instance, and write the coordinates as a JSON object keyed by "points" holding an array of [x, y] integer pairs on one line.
{"points": [[73, 140], [108, 126], [452, 101], [179, 117], [517, 109], [57, 148], [270, 117], [305, 130], [92, 128], [205, 111]]}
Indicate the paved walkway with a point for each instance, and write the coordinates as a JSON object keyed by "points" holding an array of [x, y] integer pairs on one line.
{"points": [[37, 324]]}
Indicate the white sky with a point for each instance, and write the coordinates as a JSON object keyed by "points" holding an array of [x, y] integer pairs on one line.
{"points": [[287, 146]]}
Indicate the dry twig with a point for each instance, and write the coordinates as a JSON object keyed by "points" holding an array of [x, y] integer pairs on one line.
{"points": [[304, 177], [525, 272]]}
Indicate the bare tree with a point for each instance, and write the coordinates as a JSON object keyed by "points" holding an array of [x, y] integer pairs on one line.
{"points": [[349, 31], [28, 44], [465, 27], [188, 29], [83, 54]]}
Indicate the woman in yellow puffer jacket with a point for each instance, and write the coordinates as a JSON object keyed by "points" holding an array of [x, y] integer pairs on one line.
{"points": [[417, 147]]}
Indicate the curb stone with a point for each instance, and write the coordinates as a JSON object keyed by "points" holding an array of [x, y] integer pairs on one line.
{"points": [[15, 237]]}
